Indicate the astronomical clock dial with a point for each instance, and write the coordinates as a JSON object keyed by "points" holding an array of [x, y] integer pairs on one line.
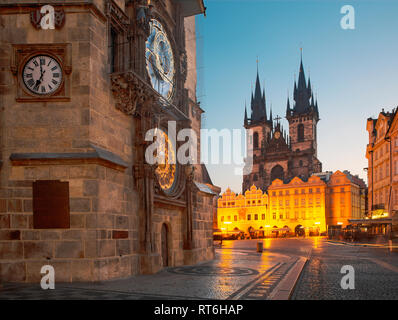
{"points": [[160, 60], [166, 173], [42, 75]]}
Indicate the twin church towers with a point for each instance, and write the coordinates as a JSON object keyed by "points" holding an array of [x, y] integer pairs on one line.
{"points": [[276, 154]]}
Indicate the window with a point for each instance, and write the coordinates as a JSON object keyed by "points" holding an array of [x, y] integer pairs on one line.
{"points": [[256, 217], [318, 190], [274, 216], [235, 218], [300, 132], [296, 202], [222, 218], [263, 217], [342, 190], [303, 191], [255, 140], [281, 193], [287, 214], [287, 203], [281, 216], [229, 218], [281, 203], [249, 217], [303, 202], [51, 205], [310, 190], [287, 192]]}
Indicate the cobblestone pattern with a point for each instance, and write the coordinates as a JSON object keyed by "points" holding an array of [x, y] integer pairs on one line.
{"points": [[321, 279]]}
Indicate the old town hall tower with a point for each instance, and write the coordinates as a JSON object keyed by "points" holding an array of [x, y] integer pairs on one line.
{"points": [[276, 154]]}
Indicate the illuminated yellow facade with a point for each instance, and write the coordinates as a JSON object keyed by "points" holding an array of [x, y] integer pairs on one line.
{"points": [[292, 208], [298, 205], [238, 212]]}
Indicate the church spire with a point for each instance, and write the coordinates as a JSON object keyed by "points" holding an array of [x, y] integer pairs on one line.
{"points": [[258, 102], [302, 92], [246, 120], [288, 110]]}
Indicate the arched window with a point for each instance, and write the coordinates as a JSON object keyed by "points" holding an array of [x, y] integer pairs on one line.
{"points": [[255, 140], [277, 173], [300, 132]]}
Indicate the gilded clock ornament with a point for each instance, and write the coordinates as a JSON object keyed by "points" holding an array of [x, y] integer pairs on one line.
{"points": [[166, 172], [160, 60], [42, 75]]}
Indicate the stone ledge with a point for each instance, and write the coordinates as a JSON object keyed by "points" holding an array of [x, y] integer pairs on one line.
{"points": [[98, 156]]}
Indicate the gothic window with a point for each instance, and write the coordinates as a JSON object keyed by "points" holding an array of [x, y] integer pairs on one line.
{"points": [[255, 140], [300, 132], [277, 173], [117, 37], [261, 170]]}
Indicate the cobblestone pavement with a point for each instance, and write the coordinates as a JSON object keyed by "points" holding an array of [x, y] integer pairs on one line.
{"points": [[234, 273], [376, 273], [240, 273]]}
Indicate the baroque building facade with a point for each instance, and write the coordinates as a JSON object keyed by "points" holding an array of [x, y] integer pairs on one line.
{"points": [[276, 154], [81, 84], [381, 153], [325, 200]]}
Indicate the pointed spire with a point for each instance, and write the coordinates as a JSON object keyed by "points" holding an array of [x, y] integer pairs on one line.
{"points": [[246, 120], [301, 81], [270, 115], [288, 110]]}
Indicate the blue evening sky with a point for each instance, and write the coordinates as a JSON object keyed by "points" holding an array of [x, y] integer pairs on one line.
{"points": [[353, 72]]}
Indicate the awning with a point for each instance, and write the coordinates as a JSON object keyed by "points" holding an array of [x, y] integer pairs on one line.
{"points": [[370, 221]]}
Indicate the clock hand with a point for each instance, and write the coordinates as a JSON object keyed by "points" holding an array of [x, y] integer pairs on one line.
{"points": [[41, 77]]}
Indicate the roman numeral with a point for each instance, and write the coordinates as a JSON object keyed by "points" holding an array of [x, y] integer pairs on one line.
{"points": [[28, 75], [53, 81], [53, 68], [43, 90], [36, 87], [35, 63], [31, 69], [49, 63], [42, 61], [31, 82], [50, 87], [56, 75]]}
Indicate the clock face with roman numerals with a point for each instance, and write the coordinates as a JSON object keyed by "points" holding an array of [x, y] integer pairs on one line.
{"points": [[42, 75]]}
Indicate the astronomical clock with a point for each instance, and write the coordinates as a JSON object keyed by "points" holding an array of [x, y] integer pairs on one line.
{"points": [[166, 173], [160, 60]]}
